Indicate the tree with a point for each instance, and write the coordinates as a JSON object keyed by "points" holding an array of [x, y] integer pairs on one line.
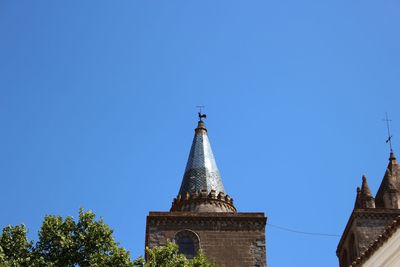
{"points": [[63, 242], [169, 256], [14, 246], [87, 242]]}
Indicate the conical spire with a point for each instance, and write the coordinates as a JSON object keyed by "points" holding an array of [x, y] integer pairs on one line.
{"points": [[364, 196], [201, 171], [202, 189], [365, 187], [388, 194]]}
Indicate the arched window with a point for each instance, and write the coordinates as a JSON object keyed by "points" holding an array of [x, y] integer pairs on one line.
{"points": [[188, 243], [344, 262], [352, 248]]}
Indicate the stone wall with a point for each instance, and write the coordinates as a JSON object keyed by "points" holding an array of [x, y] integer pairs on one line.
{"points": [[368, 228], [232, 239], [364, 226]]}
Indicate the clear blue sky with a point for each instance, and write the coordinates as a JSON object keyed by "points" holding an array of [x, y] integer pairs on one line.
{"points": [[97, 110]]}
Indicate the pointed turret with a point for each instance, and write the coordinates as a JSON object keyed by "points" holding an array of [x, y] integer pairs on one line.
{"points": [[202, 189], [388, 195], [201, 171], [364, 199]]}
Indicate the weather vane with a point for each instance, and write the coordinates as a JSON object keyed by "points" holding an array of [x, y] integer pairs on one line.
{"points": [[201, 115], [389, 140]]}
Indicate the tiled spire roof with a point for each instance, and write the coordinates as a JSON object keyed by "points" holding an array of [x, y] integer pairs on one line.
{"points": [[202, 189], [201, 171]]}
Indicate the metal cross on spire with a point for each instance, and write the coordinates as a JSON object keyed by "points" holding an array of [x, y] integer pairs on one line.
{"points": [[389, 140], [201, 115]]}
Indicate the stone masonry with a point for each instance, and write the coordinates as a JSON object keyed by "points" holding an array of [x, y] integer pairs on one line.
{"points": [[232, 239]]}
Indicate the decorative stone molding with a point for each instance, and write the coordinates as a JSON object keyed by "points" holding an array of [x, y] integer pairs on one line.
{"points": [[211, 220], [202, 201]]}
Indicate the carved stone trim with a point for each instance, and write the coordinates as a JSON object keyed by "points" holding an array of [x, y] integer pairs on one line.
{"points": [[215, 221], [204, 202]]}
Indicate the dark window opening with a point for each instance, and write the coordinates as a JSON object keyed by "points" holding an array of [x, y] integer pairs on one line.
{"points": [[344, 261], [352, 248], [186, 247], [188, 243]]}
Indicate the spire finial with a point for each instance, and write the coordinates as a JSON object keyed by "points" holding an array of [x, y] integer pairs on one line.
{"points": [[201, 114], [389, 139]]}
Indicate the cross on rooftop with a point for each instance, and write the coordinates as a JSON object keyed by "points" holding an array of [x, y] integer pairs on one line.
{"points": [[389, 140]]}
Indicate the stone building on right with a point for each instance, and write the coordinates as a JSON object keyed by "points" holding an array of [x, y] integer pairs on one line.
{"points": [[373, 222]]}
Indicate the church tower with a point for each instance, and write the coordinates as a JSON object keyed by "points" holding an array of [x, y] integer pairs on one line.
{"points": [[371, 216], [203, 215]]}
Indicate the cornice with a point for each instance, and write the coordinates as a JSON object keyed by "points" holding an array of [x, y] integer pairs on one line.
{"points": [[220, 220]]}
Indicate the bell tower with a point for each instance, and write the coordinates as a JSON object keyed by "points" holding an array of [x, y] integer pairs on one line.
{"points": [[203, 215]]}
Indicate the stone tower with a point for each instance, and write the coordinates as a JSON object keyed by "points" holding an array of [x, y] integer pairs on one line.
{"points": [[371, 216], [204, 217]]}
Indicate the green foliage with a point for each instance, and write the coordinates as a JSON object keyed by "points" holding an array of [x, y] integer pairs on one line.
{"points": [[14, 246], [63, 242], [169, 256], [166, 256], [87, 242], [201, 261]]}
